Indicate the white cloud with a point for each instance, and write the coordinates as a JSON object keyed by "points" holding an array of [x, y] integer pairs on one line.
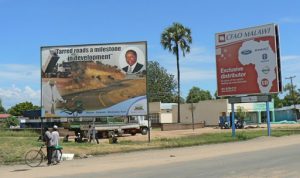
{"points": [[188, 74], [290, 57], [198, 54], [17, 72], [199, 65], [14, 95], [192, 74], [289, 20], [290, 65]]}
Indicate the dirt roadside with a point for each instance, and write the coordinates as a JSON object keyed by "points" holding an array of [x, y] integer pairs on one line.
{"points": [[147, 158], [180, 133]]}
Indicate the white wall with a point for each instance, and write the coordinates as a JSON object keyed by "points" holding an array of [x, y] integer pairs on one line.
{"points": [[166, 118], [208, 111]]}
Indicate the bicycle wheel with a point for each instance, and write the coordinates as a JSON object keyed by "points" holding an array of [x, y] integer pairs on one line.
{"points": [[33, 158]]}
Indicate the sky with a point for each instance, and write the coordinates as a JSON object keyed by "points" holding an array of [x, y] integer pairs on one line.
{"points": [[28, 25]]}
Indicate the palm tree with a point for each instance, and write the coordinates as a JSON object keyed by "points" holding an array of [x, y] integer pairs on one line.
{"points": [[175, 37]]}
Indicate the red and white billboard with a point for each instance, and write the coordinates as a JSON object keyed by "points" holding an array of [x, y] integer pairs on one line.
{"points": [[247, 61]]}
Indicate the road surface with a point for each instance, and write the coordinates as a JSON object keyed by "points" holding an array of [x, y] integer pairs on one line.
{"points": [[261, 157]]}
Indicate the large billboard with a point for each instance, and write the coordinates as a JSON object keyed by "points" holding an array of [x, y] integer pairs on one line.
{"points": [[94, 80], [247, 61]]}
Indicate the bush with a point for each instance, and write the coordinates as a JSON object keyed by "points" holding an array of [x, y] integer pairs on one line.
{"points": [[11, 121]]}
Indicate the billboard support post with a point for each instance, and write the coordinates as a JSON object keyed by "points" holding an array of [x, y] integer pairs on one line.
{"points": [[268, 118], [148, 128], [232, 120], [42, 128]]}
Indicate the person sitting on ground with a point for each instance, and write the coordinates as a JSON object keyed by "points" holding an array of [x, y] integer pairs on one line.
{"points": [[78, 138], [66, 139]]}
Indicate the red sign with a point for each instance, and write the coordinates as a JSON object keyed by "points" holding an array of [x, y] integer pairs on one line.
{"points": [[247, 61]]}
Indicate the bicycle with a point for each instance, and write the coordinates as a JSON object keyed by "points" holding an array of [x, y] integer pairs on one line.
{"points": [[34, 158]]}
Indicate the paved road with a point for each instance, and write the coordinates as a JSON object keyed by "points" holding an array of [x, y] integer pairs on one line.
{"points": [[263, 157], [276, 162]]}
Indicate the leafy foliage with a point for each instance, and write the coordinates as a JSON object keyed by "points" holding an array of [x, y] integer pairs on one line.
{"points": [[174, 38], [161, 85], [11, 121], [2, 109], [19, 108], [196, 94], [241, 113], [293, 95]]}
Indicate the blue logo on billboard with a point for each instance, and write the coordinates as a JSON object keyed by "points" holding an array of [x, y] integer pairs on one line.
{"points": [[246, 52]]}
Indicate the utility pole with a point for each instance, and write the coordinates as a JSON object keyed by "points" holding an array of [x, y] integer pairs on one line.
{"points": [[293, 94]]}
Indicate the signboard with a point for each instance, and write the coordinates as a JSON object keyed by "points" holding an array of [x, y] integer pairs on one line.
{"points": [[247, 61], [250, 99], [94, 80]]}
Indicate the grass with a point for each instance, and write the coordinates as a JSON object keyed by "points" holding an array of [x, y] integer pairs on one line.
{"points": [[14, 145]]}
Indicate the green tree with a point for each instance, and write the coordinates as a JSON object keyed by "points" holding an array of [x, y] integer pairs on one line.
{"points": [[11, 121], [196, 94], [292, 96], [175, 37], [241, 113], [278, 103], [161, 85], [220, 97], [2, 109], [18, 109]]}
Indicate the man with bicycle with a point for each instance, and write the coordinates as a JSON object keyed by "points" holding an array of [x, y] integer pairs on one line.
{"points": [[49, 144]]}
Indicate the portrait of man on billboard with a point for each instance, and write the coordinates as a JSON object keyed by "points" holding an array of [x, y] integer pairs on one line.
{"points": [[131, 59]]}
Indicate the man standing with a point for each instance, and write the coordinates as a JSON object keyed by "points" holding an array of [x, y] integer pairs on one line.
{"points": [[55, 143], [94, 134], [133, 65], [89, 134], [48, 143]]}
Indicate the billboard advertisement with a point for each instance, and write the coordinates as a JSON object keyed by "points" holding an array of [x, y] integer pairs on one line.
{"points": [[94, 80], [247, 61]]}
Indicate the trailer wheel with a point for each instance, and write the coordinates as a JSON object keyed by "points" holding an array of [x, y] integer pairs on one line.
{"points": [[133, 133], [144, 131]]}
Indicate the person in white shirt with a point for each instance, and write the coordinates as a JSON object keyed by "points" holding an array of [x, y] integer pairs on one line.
{"points": [[55, 142]]}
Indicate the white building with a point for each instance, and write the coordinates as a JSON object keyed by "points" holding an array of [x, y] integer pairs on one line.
{"points": [[208, 111]]}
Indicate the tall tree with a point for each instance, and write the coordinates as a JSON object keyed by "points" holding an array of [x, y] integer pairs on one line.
{"points": [[196, 94], [292, 98], [174, 37], [2, 109], [293, 95], [161, 85], [278, 103], [18, 109]]}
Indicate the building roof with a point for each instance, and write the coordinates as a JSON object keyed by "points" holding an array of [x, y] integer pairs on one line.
{"points": [[4, 116]]}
